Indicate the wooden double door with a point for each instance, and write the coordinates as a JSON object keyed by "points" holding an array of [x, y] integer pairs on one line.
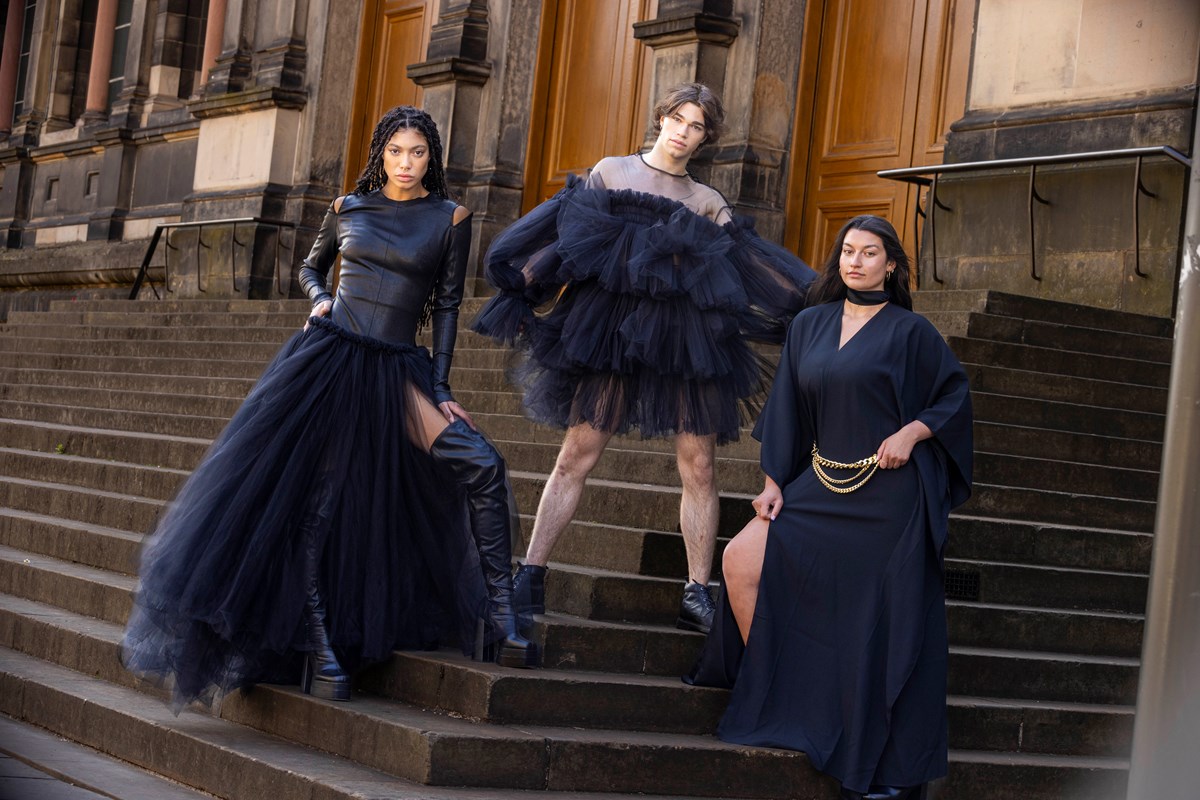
{"points": [[879, 85]]}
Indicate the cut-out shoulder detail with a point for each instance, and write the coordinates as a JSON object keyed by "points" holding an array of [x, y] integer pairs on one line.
{"points": [[461, 213], [337, 204]]}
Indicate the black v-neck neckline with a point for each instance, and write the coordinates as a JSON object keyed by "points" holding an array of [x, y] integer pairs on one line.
{"points": [[841, 321]]}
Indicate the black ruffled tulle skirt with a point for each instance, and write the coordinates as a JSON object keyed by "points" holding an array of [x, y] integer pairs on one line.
{"points": [[651, 328], [321, 450]]}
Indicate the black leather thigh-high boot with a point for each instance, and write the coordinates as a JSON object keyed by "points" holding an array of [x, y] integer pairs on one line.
{"points": [[322, 676], [477, 467]]}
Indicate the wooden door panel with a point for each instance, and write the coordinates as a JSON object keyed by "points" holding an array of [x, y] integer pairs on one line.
{"points": [[595, 87], [395, 34], [890, 76]]}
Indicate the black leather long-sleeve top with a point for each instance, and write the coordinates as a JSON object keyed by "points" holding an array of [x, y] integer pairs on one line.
{"points": [[393, 253]]}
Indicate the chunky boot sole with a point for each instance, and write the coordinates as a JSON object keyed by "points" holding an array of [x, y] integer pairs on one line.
{"points": [[313, 684], [503, 653], [685, 624]]}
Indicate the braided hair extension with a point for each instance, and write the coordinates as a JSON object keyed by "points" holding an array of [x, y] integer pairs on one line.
{"points": [[373, 178]]}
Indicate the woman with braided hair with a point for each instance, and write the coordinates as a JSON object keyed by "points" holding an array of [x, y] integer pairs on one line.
{"points": [[351, 507]]}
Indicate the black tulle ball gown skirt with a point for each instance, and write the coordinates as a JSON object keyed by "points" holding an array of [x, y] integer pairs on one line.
{"points": [[321, 453]]}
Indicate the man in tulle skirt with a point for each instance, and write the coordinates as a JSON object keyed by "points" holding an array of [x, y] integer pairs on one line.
{"points": [[653, 290]]}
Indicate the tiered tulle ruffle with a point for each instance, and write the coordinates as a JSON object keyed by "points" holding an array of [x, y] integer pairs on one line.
{"points": [[322, 443], [651, 329]]}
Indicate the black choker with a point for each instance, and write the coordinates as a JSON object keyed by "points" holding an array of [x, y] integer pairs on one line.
{"points": [[866, 298]]}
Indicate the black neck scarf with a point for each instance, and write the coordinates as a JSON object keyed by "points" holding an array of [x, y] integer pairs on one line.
{"points": [[866, 298]]}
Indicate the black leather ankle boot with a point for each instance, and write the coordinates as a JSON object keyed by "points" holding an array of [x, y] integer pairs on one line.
{"points": [[529, 594], [476, 466], [696, 610]]}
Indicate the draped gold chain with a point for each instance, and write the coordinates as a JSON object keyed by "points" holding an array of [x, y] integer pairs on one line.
{"points": [[866, 468]]}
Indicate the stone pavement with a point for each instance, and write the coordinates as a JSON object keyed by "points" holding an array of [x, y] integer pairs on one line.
{"points": [[37, 765]]}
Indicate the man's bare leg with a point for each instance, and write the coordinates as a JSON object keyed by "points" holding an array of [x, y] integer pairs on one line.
{"points": [[581, 449], [698, 515], [699, 508]]}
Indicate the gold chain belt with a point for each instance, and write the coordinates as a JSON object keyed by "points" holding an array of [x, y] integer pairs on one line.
{"points": [[866, 468]]}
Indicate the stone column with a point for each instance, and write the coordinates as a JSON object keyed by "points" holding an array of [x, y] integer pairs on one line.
{"points": [[13, 25], [214, 32], [102, 49], [452, 76]]}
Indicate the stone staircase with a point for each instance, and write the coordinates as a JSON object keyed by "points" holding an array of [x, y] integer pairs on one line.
{"points": [[106, 405]]}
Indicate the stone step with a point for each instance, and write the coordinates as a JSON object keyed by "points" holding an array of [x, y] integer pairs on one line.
{"points": [[249, 318], [199, 405], [1014, 382], [122, 512], [1034, 776], [1044, 505], [148, 383], [1058, 336], [189, 367], [1068, 417], [172, 452], [1051, 362], [1048, 544], [1055, 587], [153, 483], [433, 749], [253, 352], [178, 425], [1035, 308], [993, 724], [1044, 629], [299, 306], [82, 543], [215, 333], [1053, 471], [1029, 675], [447, 681], [1041, 443]]}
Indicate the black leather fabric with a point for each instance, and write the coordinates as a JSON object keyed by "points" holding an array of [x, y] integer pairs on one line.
{"points": [[394, 254]]}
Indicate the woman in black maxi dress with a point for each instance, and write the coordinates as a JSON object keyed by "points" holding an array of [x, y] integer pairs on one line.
{"points": [[350, 508], [846, 648]]}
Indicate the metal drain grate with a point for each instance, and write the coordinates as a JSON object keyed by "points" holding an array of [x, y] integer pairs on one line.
{"points": [[962, 584]]}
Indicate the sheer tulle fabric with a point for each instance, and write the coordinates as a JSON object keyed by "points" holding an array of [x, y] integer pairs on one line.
{"points": [[650, 331], [321, 444]]}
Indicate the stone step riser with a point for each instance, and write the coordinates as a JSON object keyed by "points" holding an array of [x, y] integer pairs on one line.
{"points": [[186, 367], [135, 421], [1061, 680], [148, 482], [140, 402], [1059, 475], [275, 335], [1060, 508], [35, 581], [1068, 418], [159, 451], [1118, 344], [1014, 584], [1032, 729], [115, 551], [1044, 631], [123, 513], [1040, 443], [236, 388], [1055, 363], [137, 348], [1033, 308], [1048, 545], [1062, 389]]}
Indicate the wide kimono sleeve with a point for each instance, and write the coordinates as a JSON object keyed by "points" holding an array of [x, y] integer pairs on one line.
{"points": [[775, 281], [522, 264], [785, 426], [935, 391]]}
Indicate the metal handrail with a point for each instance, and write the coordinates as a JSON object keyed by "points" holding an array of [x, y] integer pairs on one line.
{"points": [[200, 225], [917, 176]]}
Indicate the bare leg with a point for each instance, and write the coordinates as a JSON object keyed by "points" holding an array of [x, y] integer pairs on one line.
{"points": [[581, 449], [699, 508], [742, 567]]}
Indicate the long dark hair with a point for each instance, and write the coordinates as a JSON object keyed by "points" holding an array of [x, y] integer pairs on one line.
{"points": [[404, 118], [829, 286]]}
